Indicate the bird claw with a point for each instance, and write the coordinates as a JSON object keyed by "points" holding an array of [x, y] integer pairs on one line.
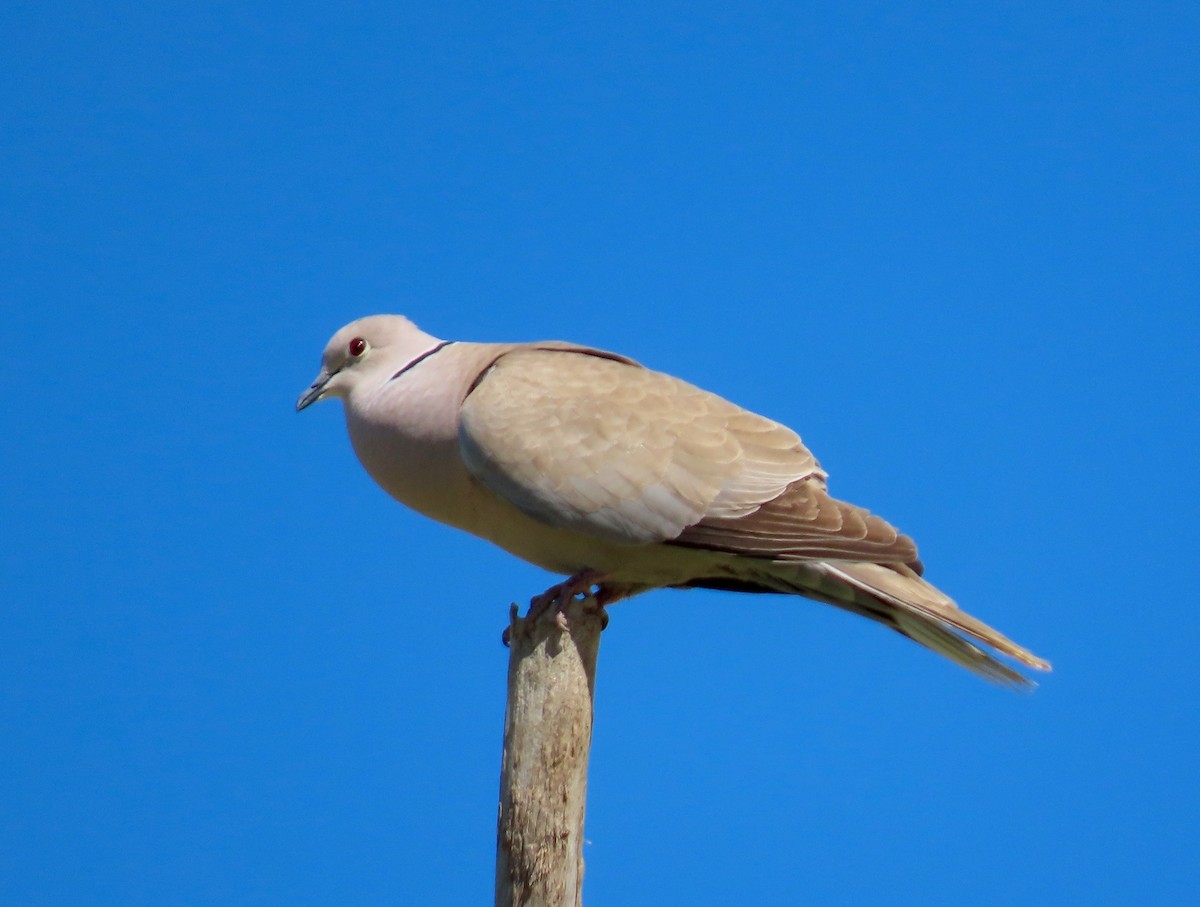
{"points": [[506, 636]]}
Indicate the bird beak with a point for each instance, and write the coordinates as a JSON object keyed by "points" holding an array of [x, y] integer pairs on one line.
{"points": [[315, 391]]}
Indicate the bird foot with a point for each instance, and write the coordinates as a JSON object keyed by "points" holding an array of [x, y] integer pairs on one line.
{"points": [[558, 598], [560, 595]]}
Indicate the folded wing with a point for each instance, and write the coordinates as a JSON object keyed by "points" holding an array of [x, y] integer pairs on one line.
{"points": [[603, 446]]}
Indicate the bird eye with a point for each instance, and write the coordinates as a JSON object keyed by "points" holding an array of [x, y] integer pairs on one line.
{"points": [[357, 346]]}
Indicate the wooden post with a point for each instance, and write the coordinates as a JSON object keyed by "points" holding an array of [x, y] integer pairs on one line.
{"points": [[543, 776]]}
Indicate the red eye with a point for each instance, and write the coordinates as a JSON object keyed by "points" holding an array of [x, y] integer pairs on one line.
{"points": [[357, 346]]}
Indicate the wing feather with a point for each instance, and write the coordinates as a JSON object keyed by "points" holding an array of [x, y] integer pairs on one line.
{"points": [[608, 447], [804, 523]]}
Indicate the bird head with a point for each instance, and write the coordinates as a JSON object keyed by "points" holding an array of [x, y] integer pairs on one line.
{"points": [[366, 352]]}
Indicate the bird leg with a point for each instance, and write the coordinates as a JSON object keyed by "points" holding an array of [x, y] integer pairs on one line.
{"points": [[609, 593]]}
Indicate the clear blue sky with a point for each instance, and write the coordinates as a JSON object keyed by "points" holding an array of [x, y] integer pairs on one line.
{"points": [[956, 246]]}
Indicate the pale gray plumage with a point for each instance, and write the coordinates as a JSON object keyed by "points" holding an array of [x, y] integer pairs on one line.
{"points": [[586, 463]]}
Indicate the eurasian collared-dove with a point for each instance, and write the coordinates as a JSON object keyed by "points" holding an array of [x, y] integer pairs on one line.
{"points": [[625, 479]]}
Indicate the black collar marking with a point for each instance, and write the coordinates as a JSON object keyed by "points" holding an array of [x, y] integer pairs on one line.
{"points": [[421, 358]]}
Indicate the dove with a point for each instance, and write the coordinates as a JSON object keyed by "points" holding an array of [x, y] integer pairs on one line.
{"points": [[625, 479]]}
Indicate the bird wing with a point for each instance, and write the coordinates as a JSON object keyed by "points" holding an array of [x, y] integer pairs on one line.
{"points": [[585, 441]]}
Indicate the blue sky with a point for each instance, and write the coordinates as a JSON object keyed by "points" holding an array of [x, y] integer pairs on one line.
{"points": [[956, 246]]}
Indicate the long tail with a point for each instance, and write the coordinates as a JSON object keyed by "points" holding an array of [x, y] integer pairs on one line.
{"points": [[896, 596]]}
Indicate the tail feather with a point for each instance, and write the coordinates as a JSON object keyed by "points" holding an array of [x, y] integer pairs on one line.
{"points": [[962, 652], [898, 597]]}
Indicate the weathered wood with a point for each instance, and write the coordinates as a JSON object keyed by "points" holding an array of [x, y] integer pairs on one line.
{"points": [[543, 778]]}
